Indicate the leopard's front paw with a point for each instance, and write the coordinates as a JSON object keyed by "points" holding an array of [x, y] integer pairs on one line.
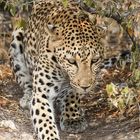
{"points": [[74, 125]]}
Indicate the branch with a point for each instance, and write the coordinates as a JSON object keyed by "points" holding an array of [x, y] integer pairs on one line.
{"points": [[119, 17]]}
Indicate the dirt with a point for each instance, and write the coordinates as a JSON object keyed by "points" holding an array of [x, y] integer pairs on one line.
{"points": [[104, 123]]}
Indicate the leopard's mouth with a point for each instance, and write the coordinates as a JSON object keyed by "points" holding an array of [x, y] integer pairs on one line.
{"points": [[80, 89]]}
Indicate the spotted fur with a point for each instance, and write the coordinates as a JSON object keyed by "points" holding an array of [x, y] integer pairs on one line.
{"points": [[58, 56]]}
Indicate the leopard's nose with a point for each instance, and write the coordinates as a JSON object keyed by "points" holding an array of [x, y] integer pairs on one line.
{"points": [[85, 87]]}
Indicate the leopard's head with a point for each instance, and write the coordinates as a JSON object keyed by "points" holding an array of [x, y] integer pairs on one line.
{"points": [[79, 52]]}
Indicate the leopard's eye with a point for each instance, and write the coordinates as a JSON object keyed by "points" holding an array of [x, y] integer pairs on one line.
{"points": [[72, 61], [94, 60]]}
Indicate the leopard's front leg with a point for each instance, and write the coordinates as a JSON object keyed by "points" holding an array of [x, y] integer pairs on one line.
{"points": [[72, 117], [46, 85]]}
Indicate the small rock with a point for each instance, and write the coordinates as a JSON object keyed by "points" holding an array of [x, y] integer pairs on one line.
{"points": [[25, 136], [8, 124]]}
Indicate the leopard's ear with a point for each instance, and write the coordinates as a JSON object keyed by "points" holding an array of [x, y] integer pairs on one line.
{"points": [[51, 30], [55, 38], [101, 31]]}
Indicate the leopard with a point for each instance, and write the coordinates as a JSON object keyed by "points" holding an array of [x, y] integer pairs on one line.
{"points": [[56, 57]]}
